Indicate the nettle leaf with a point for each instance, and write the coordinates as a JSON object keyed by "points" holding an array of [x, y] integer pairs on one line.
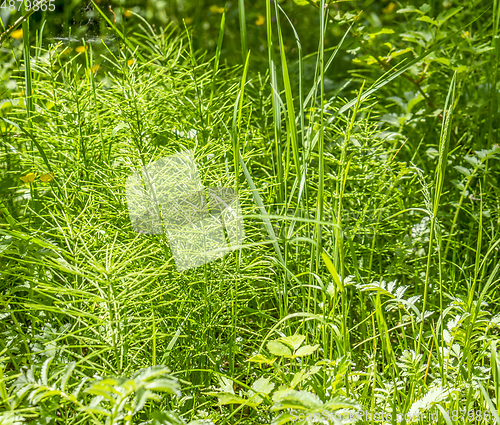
{"points": [[45, 370], [278, 349], [67, 372], [472, 160], [141, 398], [164, 385], [292, 399], [100, 392], [306, 350], [259, 358], [340, 403], [294, 341], [463, 170], [150, 373]]}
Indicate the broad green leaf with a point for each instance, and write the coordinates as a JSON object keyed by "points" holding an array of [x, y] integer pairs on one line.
{"points": [[332, 270], [297, 378], [170, 418], [302, 375], [408, 9], [294, 341], [226, 385], [306, 350], [444, 61], [425, 8], [425, 18], [382, 31], [259, 358], [278, 349], [283, 419], [263, 385], [228, 398]]}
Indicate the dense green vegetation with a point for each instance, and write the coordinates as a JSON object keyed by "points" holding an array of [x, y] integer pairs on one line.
{"points": [[362, 140]]}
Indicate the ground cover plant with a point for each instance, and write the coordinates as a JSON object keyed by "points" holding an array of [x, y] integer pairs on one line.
{"points": [[364, 153]]}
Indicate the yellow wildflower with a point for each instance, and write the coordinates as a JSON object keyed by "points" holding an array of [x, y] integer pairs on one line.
{"points": [[127, 13], [17, 34], [131, 62], [80, 49], [28, 178], [216, 9], [390, 8], [260, 20], [46, 177]]}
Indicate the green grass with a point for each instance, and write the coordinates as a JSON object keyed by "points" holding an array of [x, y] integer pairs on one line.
{"points": [[367, 279]]}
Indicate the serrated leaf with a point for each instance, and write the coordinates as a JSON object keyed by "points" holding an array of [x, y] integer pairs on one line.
{"points": [[151, 372], [472, 160], [67, 372], [100, 392], [45, 393], [463, 170], [306, 350], [96, 409], [340, 403], [294, 341], [164, 385], [292, 399], [141, 397], [45, 370], [77, 390], [278, 349]]}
